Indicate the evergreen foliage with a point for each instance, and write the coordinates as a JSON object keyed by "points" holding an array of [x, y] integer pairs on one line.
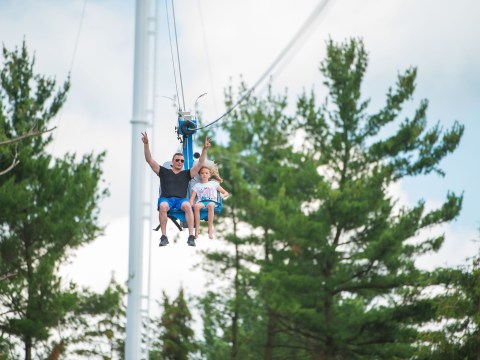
{"points": [[456, 332], [97, 325], [49, 207], [175, 336], [328, 269]]}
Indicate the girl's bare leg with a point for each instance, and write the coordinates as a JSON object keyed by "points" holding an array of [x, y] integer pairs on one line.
{"points": [[196, 211], [211, 215]]}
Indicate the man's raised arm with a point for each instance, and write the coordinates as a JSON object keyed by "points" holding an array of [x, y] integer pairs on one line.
{"points": [[148, 156]]}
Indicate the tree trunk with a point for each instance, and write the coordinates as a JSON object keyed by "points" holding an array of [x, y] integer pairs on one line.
{"points": [[328, 310], [329, 341], [236, 310], [28, 348], [271, 329], [28, 260], [272, 323], [234, 350]]}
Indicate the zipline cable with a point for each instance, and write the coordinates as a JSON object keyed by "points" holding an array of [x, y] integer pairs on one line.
{"points": [[209, 66], [171, 52], [178, 54], [310, 20], [77, 39], [291, 55], [74, 55]]}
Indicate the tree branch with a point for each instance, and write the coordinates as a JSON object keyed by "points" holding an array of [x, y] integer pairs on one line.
{"points": [[6, 276], [365, 286], [27, 135], [14, 163]]}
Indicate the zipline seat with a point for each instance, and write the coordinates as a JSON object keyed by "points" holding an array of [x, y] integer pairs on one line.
{"points": [[180, 221], [186, 127]]}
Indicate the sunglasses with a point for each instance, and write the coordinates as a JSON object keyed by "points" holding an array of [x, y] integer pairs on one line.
{"points": [[181, 160]]}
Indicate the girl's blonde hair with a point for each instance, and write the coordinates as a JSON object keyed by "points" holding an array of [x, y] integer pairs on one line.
{"points": [[213, 172]]}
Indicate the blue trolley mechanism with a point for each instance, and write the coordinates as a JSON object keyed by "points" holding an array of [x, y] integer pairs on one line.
{"points": [[186, 128]]}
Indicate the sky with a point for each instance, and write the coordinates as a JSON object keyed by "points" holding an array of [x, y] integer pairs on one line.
{"points": [[221, 42]]}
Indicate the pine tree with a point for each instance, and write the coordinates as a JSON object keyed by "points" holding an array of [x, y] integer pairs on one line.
{"points": [[252, 165], [455, 332], [354, 285], [96, 328], [49, 207], [337, 277], [175, 336]]}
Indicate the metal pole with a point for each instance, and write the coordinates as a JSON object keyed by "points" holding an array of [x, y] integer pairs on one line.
{"points": [[137, 185], [153, 185]]}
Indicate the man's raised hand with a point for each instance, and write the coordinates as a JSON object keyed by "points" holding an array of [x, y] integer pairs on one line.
{"points": [[145, 138]]}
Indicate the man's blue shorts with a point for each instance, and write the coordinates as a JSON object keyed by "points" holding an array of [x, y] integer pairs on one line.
{"points": [[173, 203]]}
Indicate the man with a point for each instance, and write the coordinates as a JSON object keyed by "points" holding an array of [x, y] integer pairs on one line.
{"points": [[174, 186]]}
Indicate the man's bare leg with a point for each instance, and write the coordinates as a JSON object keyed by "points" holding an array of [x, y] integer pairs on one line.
{"points": [[162, 215]]}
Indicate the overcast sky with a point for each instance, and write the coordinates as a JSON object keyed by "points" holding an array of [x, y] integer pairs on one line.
{"points": [[222, 41]]}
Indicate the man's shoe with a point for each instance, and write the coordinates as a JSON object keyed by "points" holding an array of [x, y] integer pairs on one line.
{"points": [[163, 241], [191, 240]]}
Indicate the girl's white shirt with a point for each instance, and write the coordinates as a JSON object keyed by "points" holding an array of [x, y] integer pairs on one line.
{"points": [[206, 191]]}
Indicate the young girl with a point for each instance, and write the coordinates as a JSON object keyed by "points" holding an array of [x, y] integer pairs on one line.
{"points": [[204, 194]]}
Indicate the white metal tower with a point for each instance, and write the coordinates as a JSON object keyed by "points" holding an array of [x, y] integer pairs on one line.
{"points": [[142, 117]]}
